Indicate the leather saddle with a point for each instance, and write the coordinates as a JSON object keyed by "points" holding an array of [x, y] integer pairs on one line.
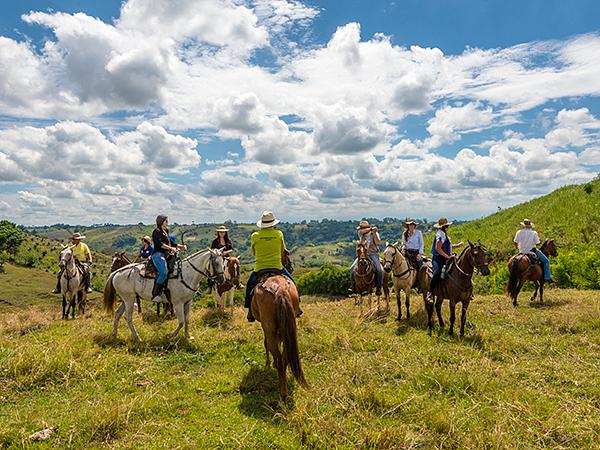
{"points": [[148, 270], [533, 258]]}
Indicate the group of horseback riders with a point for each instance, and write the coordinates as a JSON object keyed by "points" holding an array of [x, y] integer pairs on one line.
{"points": [[269, 250]]}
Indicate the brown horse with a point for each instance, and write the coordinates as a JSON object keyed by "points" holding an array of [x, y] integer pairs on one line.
{"points": [[223, 293], [275, 304], [365, 277], [522, 269], [457, 286]]}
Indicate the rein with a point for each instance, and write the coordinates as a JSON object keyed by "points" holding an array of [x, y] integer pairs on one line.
{"points": [[201, 272], [404, 274]]}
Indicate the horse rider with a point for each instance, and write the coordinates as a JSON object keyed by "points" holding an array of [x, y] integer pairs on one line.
{"points": [[222, 242], [441, 251], [526, 239], [164, 248], [146, 249], [83, 255], [369, 235], [412, 241], [267, 245]]}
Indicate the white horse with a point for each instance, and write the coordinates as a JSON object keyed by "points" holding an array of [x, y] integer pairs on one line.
{"points": [[404, 275], [223, 293], [127, 283], [72, 286]]}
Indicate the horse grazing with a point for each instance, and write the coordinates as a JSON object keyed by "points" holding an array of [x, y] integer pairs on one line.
{"points": [[405, 277], [457, 286], [275, 304], [72, 285], [523, 268], [128, 283], [365, 277], [223, 293]]}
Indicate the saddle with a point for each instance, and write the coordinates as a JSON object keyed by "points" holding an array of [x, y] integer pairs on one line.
{"points": [[148, 270], [533, 258], [263, 276]]}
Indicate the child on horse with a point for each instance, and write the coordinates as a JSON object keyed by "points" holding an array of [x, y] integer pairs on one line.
{"points": [[267, 246], [441, 251], [526, 239]]}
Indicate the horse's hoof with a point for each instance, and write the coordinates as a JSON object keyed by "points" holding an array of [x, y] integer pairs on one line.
{"points": [[398, 319], [190, 337]]}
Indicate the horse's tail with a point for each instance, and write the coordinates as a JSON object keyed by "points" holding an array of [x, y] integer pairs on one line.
{"points": [[288, 331], [513, 278], [110, 294]]}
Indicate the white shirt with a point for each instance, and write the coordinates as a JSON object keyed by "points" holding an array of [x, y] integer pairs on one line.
{"points": [[414, 242], [526, 239]]}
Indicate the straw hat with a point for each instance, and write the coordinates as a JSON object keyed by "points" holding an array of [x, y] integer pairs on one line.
{"points": [[222, 228], [527, 223], [267, 220], [77, 236], [409, 222], [148, 239], [363, 224], [442, 223]]}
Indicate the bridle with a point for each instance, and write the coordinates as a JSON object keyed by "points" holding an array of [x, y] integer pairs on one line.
{"points": [[404, 274], [212, 278]]}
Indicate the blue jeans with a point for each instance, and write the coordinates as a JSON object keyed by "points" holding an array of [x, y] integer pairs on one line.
{"points": [[160, 263], [251, 284], [545, 264], [378, 270], [437, 263]]}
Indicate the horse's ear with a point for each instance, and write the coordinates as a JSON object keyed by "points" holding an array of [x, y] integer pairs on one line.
{"points": [[62, 246], [396, 244], [470, 243]]}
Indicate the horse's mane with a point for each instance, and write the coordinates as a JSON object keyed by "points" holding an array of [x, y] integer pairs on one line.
{"points": [[195, 254]]}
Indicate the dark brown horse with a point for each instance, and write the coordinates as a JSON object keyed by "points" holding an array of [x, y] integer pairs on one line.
{"points": [[365, 277], [522, 268], [275, 304], [457, 286]]}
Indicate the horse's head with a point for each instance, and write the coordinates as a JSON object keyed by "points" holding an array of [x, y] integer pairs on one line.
{"points": [[66, 254], [551, 247], [361, 250], [232, 271], [389, 254], [216, 266], [479, 257]]}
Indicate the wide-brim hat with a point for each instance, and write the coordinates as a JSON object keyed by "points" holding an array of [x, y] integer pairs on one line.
{"points": [[77, 236], [267, 220], [363, 224], [222, 228], [409, 222], [442, 223], [527, 223], [148, 239]]}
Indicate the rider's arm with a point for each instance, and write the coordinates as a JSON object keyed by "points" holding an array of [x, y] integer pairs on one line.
{"points": [[460, 244], [438, 248], [89, 255], [420, 240], [376, 237], [516, 246]]}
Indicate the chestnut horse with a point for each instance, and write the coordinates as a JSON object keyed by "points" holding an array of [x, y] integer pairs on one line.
{"points": [[522, 269], [223, 293], [457, 286], [365, 277], [404, 275], [275, 304]]}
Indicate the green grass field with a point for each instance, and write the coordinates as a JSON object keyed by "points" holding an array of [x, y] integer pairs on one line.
{"points": [[521, 378]]}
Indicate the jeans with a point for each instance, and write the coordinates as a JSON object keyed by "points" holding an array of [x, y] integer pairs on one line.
{"points": [[545, 264], [252, 282], [378, 270], [437, 263], [160, 262]]}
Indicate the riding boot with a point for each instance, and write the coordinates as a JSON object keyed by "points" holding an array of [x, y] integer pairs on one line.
{"points": [[88, 281], [156, 293], [250, 317], [58, 277]]}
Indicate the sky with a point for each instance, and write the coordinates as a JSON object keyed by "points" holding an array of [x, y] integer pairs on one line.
{"points": [[214, 110]]}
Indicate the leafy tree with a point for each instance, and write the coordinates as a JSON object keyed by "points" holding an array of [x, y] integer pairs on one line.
{"points": [[10, 237]]}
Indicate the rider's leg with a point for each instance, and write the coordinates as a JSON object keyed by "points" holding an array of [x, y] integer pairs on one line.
{"points": [[250, 285], [378, 272], [436, 268], [161, 266], [545, 264], [289, 275], [87, 277]]}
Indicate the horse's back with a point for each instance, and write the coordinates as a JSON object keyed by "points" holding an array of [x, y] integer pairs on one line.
{"points": [[267, 291]]}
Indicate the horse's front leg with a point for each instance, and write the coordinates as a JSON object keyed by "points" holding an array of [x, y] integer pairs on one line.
{"points": [[463, 317], [398, 302], [73, 304], [186, 313], [452, 316], [65, 314], [407, 303], [179, 312]]}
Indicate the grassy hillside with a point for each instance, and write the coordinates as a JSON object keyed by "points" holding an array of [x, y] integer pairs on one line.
{"points": [[522, 378]]}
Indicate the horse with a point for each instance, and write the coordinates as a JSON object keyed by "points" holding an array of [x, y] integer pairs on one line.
{"points": [[274, 304], [120, 260], [522, 269], [223, 293], [365, 277], [72, 285], [404, 275], [128, 282], [457, 286]]}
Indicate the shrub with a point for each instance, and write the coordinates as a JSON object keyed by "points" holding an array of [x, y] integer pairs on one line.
{"points": [[329, 279]]}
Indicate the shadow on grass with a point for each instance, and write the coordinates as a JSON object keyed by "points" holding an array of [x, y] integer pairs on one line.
{"points": [[218, 318], [417, 320], [156, 344], [260, 394], [549, 304]]}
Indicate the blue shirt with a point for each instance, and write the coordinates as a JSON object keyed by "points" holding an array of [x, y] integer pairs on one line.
{"points": [[147, 252], [446, 244]]}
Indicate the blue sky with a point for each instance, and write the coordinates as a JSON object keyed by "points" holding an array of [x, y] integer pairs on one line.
{"points": [[406, 108]]}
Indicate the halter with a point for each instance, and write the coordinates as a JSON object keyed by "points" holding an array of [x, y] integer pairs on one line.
{"points": [[207, 275], [403, 274]]}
